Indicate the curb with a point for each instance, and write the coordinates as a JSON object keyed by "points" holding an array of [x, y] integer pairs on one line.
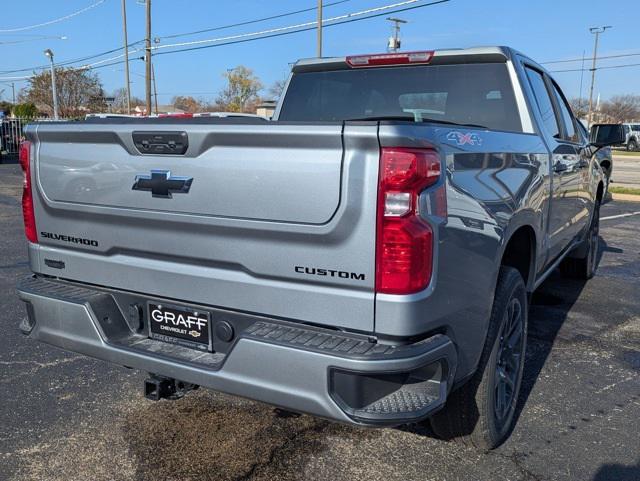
{"points": [[625, 197]]}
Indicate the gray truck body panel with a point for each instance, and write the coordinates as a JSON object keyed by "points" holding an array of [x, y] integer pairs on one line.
{"points": [[269, 200]]}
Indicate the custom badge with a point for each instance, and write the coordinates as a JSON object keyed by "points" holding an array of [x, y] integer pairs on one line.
{"points": [[461, 138]]}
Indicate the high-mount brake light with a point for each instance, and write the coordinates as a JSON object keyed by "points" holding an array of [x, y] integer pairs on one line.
{"points": [[404, 58], [404, 241], [27, 195]]}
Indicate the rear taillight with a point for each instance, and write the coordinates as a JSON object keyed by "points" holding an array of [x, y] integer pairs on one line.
{"points": [[404, 244], [27, 197], [400, 58]]}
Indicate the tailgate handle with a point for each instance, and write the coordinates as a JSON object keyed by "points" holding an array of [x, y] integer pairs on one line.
{"points": [[161, 143]]}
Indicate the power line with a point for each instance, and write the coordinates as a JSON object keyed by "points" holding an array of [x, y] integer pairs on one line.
{"points": [[599, 68], [91, 57], [72, 61], [348, 18], [17, 79], [249, 22], [302, 27], [51, 22], [36, 39], [240, 38], [599, 58]]}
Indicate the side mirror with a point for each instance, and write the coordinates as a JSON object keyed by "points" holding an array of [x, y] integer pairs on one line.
{"points": [[602, 135]]}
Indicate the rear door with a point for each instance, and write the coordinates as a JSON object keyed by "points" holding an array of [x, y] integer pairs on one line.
{"points": [[565, 170]]}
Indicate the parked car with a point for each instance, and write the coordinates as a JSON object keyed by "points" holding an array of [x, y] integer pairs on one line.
{"points": [[366, 257], [211, 114], [107, 116], [228, 115], [604, 156], [632, 136]]}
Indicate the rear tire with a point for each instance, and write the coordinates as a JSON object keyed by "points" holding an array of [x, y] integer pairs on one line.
{"points": [[585, 266], [632, 146], [481, 412]]}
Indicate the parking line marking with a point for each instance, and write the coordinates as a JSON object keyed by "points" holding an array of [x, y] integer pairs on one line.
{"points": [[620, 216]]}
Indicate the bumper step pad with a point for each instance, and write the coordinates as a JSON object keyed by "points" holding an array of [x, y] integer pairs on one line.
{"points": [[406, 400]]}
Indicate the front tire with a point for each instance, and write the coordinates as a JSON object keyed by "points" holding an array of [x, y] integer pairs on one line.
{"points": [[632, 145], [481, 412]]}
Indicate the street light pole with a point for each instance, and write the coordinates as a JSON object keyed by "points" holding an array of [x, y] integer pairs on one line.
{"points": [[148, 58], [394, 42], [49, 54], [596, 31], [319, 38], [126, 55]]}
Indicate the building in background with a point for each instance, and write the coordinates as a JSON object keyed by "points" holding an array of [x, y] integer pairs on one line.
{"points": [[266, 108]]}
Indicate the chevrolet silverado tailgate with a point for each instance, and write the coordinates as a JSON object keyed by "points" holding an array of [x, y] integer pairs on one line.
{"points": [[274, 218]]}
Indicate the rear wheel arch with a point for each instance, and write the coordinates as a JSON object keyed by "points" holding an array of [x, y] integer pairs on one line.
{"points": [[520, 253]]}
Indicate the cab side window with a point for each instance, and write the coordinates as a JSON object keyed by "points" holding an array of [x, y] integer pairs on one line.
{"points": [[545, 105], [567, 117]]}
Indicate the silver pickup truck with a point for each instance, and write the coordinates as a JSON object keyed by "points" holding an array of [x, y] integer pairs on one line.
{"points": [[366, 256]]}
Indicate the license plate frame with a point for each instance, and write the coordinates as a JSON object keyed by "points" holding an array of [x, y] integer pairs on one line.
{"points": [[187, 326]]}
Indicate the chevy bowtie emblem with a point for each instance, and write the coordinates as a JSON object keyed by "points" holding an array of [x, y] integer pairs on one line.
{"points": [[161, 184]]}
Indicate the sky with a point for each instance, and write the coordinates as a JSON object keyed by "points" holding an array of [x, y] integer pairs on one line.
{"points": [[545, 30]]}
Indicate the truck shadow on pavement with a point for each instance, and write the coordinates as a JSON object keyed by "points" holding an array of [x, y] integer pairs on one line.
{"points": [[618, 472], [549, 308]]}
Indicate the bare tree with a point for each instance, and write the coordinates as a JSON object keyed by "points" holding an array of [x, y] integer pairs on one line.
{"points": [[79, 92], [241, 92], [206, 105], [120, 101], [622, 108], [275, 91], [580, 107]]}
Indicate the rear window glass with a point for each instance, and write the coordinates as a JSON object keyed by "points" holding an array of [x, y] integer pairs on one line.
{"points": [[478, 94]]}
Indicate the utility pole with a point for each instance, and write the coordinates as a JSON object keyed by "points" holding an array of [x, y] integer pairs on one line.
{"points": [[581, 82], [394, 42], [148, 58], [155, 89], [319, 47], [49, 54], [13, 90], [126, 55], [596, 31]]}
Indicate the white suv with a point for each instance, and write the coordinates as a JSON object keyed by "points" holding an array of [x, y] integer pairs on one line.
{"points": [[632, 136]]}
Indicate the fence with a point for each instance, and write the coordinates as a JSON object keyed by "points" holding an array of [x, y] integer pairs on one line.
{"points": [[11, 131], [11, 134]]}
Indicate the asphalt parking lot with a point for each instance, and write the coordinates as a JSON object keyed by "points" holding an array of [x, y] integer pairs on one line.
{"points": [[67, 417]]}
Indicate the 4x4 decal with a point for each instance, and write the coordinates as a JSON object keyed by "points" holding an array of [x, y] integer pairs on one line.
{"points": [[468, 138]]}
